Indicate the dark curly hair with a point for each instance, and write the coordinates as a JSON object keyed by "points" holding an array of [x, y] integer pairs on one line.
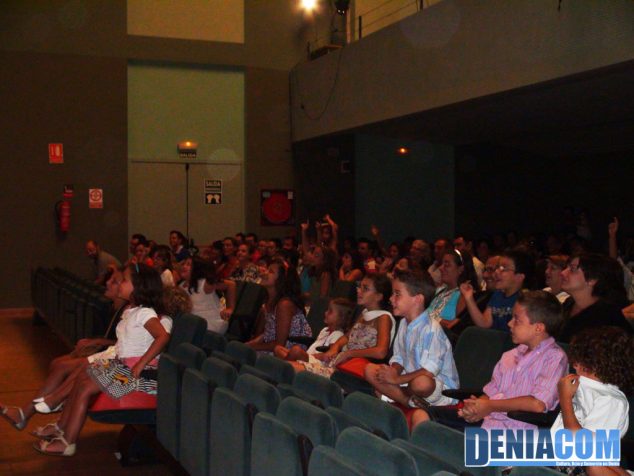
{"points": [[608, 353]]}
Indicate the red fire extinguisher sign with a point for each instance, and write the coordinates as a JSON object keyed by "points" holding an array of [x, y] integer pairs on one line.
{"points": [[56, 153]]}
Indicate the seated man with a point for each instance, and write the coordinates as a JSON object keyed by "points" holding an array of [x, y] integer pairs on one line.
{"points": [[525, 378], [442, 246], [103, 263], [422, 365], [511, 273]]}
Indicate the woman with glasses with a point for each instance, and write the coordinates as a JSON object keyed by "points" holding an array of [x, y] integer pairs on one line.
{"points": [[595, 285]]}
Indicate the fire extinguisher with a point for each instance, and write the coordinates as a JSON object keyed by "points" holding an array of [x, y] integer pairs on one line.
{"points": [[62, 209]]}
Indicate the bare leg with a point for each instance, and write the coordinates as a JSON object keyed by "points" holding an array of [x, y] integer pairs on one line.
{"points": [[297, 353], [62, 392], [418, 417], [395, 392], [59, 369], [280, 352]]}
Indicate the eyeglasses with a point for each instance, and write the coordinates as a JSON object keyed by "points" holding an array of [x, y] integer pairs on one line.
{"points": [[501, 268]]}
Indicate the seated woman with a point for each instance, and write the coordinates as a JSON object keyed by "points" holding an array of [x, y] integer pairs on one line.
{"points": [[338, 320], [202, 284], [447, 304], [370, 336], [282, 316], [246, 270], [351, 267], [64, 369], [141, 336], [597, 294]]}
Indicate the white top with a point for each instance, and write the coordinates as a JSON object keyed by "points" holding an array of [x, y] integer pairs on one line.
{"points": [[208, 307], [434, 272], [133, 339], [561, 296], [598, 406], [325, 337], [167, 278]]}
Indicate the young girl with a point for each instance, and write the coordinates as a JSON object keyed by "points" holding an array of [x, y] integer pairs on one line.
{"points": [[63, 369], [370, 336], [202, 284], [282, 315], [595, 397], [141, 336], [351, 267], [162, 259], [338, 319]]}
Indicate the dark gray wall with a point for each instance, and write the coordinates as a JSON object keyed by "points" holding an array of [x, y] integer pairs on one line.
{"points": [[403, 195], [63, 79]]}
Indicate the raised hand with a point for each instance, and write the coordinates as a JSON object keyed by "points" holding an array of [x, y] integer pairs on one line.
{"points": [[613, 227]]}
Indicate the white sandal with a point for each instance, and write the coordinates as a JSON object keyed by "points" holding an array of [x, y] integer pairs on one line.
{"points": [[39, 431], [42, 407], [69, 448], [19, 425]]}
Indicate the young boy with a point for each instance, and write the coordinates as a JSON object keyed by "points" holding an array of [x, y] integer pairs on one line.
{"points": [[512, 272], [422, 365], [593, 398], [525, 378]]}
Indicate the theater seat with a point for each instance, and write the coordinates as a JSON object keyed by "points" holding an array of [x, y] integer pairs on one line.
{"points": [[315, 389]]}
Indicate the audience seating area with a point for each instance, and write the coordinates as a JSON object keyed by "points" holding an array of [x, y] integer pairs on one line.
{"points": [[234, 414], [75, 308]]}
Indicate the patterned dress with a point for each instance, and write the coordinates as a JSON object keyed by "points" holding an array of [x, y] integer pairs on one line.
{"points": [[299, 328], [362, 336]]}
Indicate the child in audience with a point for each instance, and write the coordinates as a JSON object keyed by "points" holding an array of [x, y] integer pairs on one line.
{"points": [[338, 319], [202, 284], [594, 397], [142, 335], [370, 336], [282, 316], [513, 271], [525, 378], [555, 265], [162, 261], [67, 366], [422, 365]]}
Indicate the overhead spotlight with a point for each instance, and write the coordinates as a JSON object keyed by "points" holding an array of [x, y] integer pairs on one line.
{"points": [[402, 151], [308, 5]]}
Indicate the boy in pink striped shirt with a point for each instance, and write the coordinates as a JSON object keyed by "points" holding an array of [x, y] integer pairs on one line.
{"points": [[525, 378]]}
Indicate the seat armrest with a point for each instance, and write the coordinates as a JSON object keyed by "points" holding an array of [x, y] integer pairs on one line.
{"points": [[462, 393]]}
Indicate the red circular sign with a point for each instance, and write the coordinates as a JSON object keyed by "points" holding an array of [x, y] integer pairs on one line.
{"points": [[277, 208]]}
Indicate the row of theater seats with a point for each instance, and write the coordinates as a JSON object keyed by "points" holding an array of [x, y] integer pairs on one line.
{"points": [[224, 411], [72, 306]]}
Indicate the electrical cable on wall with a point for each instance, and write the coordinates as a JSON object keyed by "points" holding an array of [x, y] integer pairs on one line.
{"points": [[331, 92]]}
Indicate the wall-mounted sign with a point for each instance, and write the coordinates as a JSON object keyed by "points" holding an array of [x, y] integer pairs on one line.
{"points": [[95, 198], [213, 192], [187, 149], [56, 153], [277, 207]]}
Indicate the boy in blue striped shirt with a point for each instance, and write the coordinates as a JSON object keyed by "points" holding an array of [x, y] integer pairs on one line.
{"points": [[422, 365]]}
